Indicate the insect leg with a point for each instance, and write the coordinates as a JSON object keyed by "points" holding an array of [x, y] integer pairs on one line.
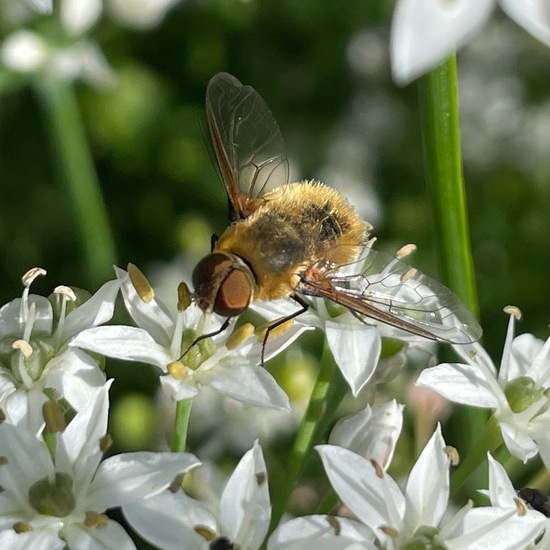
{"points": [[282, 320], [204, 336], [213, 241]]}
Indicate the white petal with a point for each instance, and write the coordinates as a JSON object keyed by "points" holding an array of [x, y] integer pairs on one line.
{"points": [[78, 449], [122, 342], [110, 536], [24, 409], [356, 349], [97, 310], [168, 520], [33, 540], [151, 316], [27, 461], [459, 383], [245, 507], [371, 433], [78, 16], [252, 385], [177, 390], [376, 501], [501, 490], [518, 442], [427, 492], [23, 51], [321, 533], [425, 32], [127, 477], [41, 6], [492, 527], [532, 15], [76, 376]]}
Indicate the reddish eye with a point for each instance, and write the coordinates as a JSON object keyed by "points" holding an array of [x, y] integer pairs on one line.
{"points": [[234, 294]]}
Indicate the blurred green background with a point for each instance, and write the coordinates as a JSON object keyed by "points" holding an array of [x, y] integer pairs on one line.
{"points": [[323, 69]]}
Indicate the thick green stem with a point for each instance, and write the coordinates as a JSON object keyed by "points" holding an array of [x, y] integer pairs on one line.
{"points": [[75, 163], [438, 97], [443, 163], [308, 434], [181, 424]]}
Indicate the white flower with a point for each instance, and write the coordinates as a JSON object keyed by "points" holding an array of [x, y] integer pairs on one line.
{"points": [[228, 363], [371, 433], [414, 518], [141, 14], [48, 500], [355, 345], [34, 351], [517, 393], [425, 32], [240, 518]]}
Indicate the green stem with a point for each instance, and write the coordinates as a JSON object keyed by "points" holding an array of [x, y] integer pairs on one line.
{"points": [[489, 441], [181, 424], [441, 140], [307, 435], [75, 162], [438, 101]]}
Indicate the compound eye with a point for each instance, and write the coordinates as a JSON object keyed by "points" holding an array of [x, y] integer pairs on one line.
{"points": [[234, 294]]}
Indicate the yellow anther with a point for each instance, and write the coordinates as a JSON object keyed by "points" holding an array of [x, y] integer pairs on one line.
{"points": [[22, 527], [95, 520], [177, 370], [405, 250], [184, 297], [205, 532], [239, 336], [105, 443], [140, 283], [408, 275], [273, 332], [377, 468], [53, 416]]}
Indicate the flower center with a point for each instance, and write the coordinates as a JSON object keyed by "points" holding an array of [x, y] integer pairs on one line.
{"points": [[425, 538], [522, 392], [53, 498]]}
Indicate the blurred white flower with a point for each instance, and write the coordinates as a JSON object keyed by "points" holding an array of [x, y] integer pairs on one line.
{"points": [[34, 351], [424, 32], [517, 392], [24, 51], [228, 363], [78, 16], [371, 433], [61, 501], [140, 14]]}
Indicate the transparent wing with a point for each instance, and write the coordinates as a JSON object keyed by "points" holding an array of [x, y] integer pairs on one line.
{"points": [[393, 292], [248, 143]]}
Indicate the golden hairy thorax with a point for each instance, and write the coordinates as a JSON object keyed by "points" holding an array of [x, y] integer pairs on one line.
{"points": [[295, 226]]}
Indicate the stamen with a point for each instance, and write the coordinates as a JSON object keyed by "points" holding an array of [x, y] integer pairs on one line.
{"points": [[105, 443], [408, 275], [377, 468], [260, 478], [275, 332], [239, 336], [141, 284], [22, 527], [177, 370], [205, 532], [405, 250], [521, 507], [335, 524], [29, 323], [95, 520], [24, 347], [31, 275], [63, 293], [184, 297], [53, 416], [452, 453], [390, 531], [515, 311]]}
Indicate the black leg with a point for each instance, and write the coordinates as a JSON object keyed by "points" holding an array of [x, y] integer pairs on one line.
{"points": [[209, 335]]}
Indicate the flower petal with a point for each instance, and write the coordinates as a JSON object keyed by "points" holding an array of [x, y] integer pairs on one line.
{"points": [[532, 15], [321, 533], [252, 385], [32, 540], [111, 535], [123, 342], [168, 520], [376, 501], [427, 490], [128, 477], [97, 310], [371, 433], [356, 349], [424, 32], [459, 383]]}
